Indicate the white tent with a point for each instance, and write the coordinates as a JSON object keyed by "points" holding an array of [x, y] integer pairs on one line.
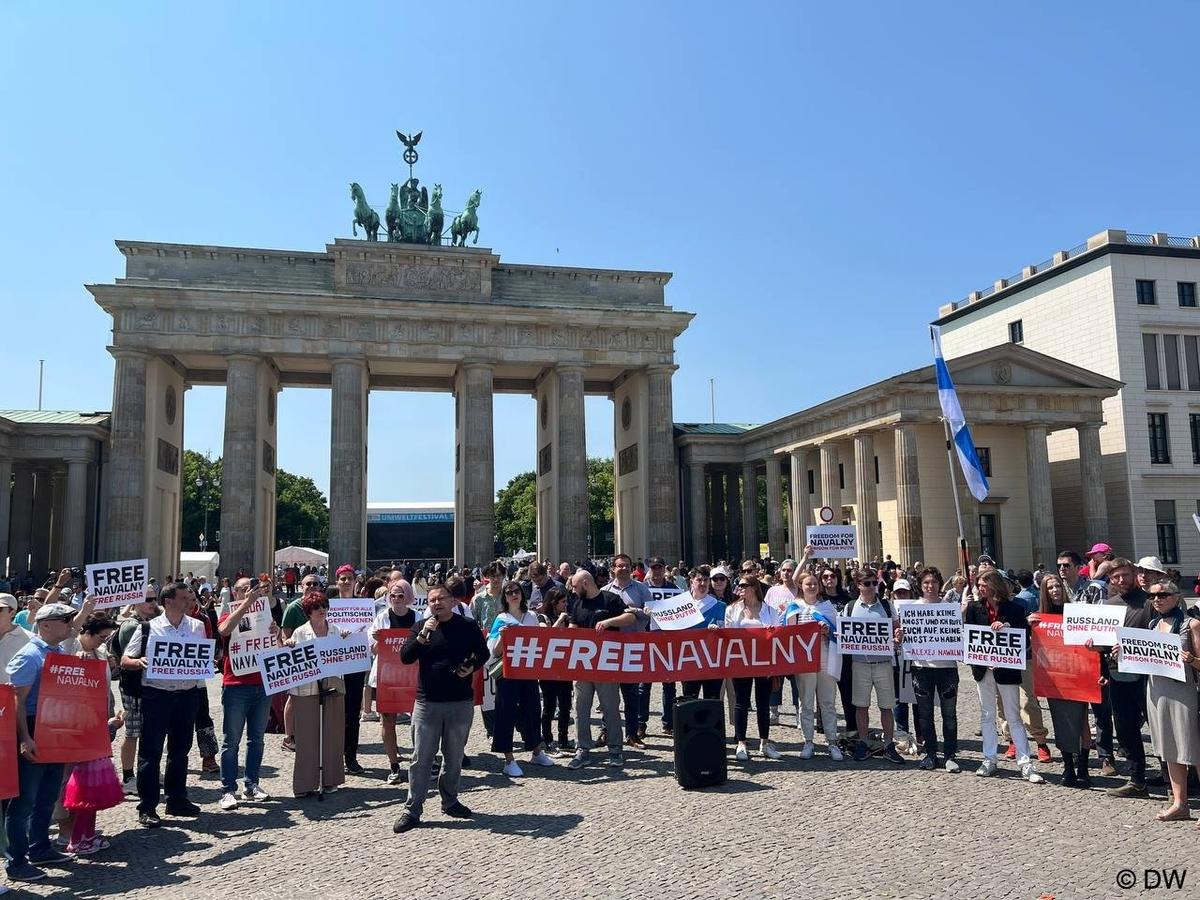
{"points": [[200, 564], [301, 556], [522, 556]]}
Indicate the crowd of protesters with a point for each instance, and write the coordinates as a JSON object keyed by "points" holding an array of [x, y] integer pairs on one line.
{"points": [[455, 618]]}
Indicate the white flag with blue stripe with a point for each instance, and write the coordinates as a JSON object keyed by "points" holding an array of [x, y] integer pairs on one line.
{"points": [[972, 468]]}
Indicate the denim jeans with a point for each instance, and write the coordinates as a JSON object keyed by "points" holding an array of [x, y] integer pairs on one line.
{"points": [[246, 707], [668, 706], [27, 822]]}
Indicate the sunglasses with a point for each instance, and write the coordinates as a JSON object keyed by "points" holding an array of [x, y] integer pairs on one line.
{"points": [[1161, 594], [720, 578], [1065, 565], [868, 583], [512, 592], [744, 586], [829, 578]]}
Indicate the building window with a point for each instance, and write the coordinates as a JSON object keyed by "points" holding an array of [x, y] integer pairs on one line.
{"points": [[877, 476], [1187, 293], [1168, 538], [1194, 426], [1160, 447], [989, 537], [1192, 359], [1150, 353], [985, 459], [812, 482], [1016, 332], [1171, 352], [841, 476], [1145, 293]]}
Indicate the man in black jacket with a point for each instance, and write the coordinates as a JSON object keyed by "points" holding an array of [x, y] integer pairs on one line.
{"points": [[448, 649]]}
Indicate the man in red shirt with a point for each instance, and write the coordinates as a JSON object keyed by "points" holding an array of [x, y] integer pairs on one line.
{"points": [[245, 629]]}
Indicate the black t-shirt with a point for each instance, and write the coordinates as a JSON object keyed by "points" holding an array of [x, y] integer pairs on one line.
{"points": [[407, 619], [454, 642], [585, 613]]}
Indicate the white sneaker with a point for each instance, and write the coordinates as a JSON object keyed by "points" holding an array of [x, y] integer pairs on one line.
{"points": [[395, 777], [835, 753], [541, 759], [774, 715], [806, 752], [769, 751], [332, 789], [512, 770], [255, 793], [1028, 773], [953, 767], [986, 769], [742, 754], [228, 801]]}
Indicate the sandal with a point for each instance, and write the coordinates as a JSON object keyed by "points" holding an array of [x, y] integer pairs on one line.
{"points": [[289, 744]]}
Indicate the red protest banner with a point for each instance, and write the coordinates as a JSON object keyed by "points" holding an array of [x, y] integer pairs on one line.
{"points": [[576, 654], [1061, 671], [72, 710], [395, 681], [9, 784]]}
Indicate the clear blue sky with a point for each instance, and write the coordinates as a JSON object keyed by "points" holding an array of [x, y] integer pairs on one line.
{"points": [[819, 177]]}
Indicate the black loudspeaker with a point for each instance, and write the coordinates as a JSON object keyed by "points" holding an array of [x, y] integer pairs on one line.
{"points": [[700, 743]]}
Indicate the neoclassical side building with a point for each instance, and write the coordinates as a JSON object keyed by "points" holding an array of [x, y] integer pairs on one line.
{"points": [[877, 457]]}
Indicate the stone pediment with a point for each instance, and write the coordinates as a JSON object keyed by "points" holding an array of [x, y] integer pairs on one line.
{"points": [[1011, 365]]}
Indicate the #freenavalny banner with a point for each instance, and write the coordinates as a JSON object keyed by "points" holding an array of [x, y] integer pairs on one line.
{"points": [[578, 654]]}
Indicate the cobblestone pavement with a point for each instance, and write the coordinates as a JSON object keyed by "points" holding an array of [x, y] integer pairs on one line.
{"points": [[777, 829]]}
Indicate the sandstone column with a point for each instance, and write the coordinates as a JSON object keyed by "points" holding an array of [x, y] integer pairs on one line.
{"points": [[477, 524], [571, 459], [867, 512], [662, 484], [1041, 504], [774, 489], [125, 476], [749, 510], [698, 511], [58, 511], [75, 513], [6, 471], [831, 486], [908, 497], [347, 464], [798, 515], [716, 498], [21, 527], [239, 466], [733, 516], [1091, 473], [43, 506]]}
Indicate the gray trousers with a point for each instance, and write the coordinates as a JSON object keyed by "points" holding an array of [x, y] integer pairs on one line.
{"points": [[437, 724], [610, 705]]}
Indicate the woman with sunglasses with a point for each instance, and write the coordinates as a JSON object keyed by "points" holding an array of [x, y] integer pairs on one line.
{"points": [[1070, 717], [749, 611], [517, 702], [993, 608], [319, 713], [556, 695], [831, 590], [1171, 705], [720, 585], [817, 689]]}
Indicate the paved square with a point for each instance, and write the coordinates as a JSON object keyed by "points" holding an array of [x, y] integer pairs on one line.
{"points": [[786, 829]]}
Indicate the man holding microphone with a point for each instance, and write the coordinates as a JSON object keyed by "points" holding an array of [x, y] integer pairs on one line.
{"points": [[448, 649]]}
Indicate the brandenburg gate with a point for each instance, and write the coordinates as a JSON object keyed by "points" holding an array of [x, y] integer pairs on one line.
{"points": [[367, 315]]}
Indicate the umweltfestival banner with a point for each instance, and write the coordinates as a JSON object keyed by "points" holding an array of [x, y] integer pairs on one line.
{"points": [[577, 654]]}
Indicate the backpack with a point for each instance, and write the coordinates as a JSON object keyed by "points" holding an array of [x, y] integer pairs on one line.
{"points": [[130, 680]]}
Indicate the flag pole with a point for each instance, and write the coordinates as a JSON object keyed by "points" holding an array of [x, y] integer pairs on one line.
{"points": [[963, 556]]}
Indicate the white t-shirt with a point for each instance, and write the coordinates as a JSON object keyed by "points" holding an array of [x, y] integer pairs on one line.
{"points": [[737, 616]]}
